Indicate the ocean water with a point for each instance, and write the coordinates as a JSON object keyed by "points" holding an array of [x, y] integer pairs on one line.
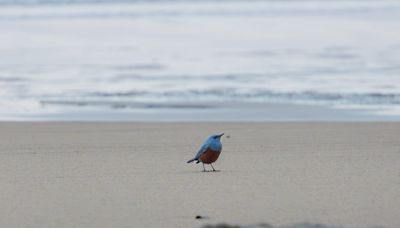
{"points": [[125, 56]]}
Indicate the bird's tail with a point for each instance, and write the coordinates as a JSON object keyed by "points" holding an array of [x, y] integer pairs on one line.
{"points": [[191, 160]]}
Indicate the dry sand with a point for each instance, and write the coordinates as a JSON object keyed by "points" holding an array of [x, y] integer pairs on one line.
{"points": [[135, 174]]}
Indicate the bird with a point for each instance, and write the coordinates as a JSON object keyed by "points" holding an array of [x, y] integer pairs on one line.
{"points": [[209, 151]]}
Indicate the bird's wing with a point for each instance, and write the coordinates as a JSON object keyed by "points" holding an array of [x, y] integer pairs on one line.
{"points": [[203, 149]]}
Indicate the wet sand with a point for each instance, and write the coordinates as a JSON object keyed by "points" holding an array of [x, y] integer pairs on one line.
{"points": [[135, 174]]}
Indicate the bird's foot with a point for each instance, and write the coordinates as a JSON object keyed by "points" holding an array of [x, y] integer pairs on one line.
{"points": [[215, 170]]}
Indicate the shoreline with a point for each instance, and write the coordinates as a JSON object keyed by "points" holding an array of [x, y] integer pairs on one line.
{"points": [[197, 112]]}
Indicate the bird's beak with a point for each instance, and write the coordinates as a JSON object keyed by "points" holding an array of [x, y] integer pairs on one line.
{"points": [[220, 135]]}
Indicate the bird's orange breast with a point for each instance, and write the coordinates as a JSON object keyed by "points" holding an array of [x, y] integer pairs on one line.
{"points": [[209, 156]]}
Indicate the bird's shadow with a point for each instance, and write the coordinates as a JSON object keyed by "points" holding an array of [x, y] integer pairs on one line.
{"points": [[197, 171], [202, 172]]}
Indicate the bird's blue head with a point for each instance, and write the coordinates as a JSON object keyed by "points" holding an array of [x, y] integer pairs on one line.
{"points": [[215, 142], [216, 137]]}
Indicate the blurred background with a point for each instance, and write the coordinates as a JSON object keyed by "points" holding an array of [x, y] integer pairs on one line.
{"points": [[166, 60]]}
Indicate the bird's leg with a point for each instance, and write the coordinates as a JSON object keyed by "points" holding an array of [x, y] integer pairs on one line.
{"points": [[212, 167], [204, 168]]}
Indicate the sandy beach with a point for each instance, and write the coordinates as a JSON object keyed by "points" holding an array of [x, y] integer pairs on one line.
{"points": [[135, 174]]}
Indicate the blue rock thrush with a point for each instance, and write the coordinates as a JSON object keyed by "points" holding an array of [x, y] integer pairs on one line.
{"points": [[209, 151]]}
